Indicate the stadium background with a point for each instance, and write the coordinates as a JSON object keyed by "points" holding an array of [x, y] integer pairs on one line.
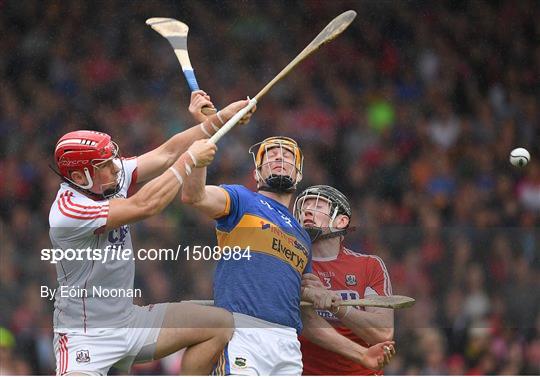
{"points": [[412, 113]]}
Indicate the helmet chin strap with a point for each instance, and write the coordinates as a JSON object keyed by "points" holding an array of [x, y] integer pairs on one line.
{"points": [[317, 233], [276, 190], [278, 184], [88, 186], [90, 183]]}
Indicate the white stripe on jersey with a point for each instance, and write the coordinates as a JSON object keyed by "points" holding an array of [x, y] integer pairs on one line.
{"points": [[77, 211]]}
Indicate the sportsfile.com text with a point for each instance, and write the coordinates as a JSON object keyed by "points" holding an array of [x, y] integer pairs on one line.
{"points": [[195, 253]]}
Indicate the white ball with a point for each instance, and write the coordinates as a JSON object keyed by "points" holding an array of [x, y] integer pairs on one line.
{"points": [[520, 157]]}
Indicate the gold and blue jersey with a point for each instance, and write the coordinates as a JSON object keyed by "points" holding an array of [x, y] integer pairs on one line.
{"points": [[267, 285]]}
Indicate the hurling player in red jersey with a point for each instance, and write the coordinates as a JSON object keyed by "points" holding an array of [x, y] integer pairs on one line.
{"points": [[325, 213]]}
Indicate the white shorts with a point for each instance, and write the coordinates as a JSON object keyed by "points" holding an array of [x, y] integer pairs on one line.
{"points": [[260, 348], [97, 350]]}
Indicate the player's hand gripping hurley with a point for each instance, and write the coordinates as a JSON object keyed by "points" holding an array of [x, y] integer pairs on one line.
{"points": [[176, 33], [331, 31]]}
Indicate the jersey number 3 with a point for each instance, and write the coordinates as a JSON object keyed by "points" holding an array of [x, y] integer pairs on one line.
{"points": [[327, 284]]}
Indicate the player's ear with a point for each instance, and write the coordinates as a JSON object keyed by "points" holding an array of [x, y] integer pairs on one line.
{"points": [[342, 221], [78, 177]]}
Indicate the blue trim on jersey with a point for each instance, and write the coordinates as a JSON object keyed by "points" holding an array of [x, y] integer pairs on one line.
{"points": [[227, 362]]}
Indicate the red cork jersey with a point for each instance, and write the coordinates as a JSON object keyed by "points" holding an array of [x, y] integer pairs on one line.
{"points": [[353, 275]]}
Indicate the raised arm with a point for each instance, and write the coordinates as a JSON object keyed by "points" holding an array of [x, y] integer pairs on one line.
{"points": [[155, 162], [154, 196], [211, 200]]}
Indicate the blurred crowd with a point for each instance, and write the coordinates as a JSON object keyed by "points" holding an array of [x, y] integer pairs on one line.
{"points": [[412, 113]]}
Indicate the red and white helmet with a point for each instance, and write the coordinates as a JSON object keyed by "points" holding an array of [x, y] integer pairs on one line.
{"points": [[83, 151]]}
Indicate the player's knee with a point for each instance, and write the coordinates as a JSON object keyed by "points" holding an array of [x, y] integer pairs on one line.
{"points": [[229, 333], [223, 326], [226, 329], [223, 336], [223, 319]]}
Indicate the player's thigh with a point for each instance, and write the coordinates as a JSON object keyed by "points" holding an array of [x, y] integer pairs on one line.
{"points": [[188, 324]]}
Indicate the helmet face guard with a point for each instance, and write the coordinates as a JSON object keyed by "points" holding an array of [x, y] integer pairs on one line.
{"points": [[120, 178], [283, 182], [337, 204], [87, 152]]}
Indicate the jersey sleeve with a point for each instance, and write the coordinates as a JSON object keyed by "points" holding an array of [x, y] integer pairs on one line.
{"points": [[234, 208], [130, 170], [379, 279], [73, 217]]}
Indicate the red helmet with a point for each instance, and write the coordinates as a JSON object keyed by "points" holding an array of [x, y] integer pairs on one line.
{"points": [[82, 151]]}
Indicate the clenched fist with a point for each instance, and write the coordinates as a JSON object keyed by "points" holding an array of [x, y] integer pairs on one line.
{"points": [[322, 298], [378, 356], [229, 111], [204, 152], [199, 99]]}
